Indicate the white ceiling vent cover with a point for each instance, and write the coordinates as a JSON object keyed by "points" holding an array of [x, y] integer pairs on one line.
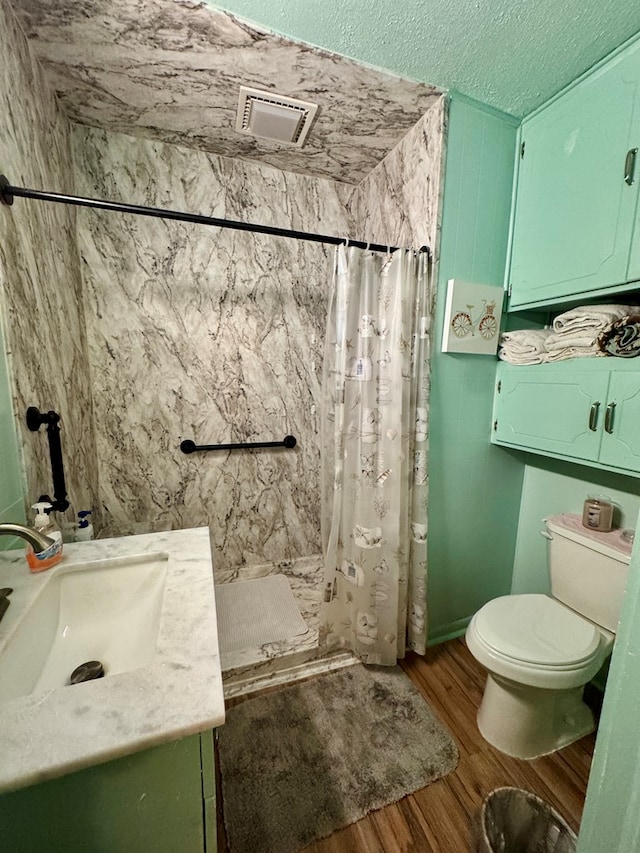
{"points": [[274, 116]]}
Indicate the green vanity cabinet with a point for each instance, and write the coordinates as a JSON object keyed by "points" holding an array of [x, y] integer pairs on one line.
{"points": [[585, 410], [576, 198], [161, 799]]}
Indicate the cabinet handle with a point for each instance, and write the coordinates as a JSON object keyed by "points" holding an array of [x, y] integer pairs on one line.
{"points": [[593, 416], [630, 166], [608, 418]]}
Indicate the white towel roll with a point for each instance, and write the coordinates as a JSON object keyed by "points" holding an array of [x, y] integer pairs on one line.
{"points": [[577, 340], [520, 358], [573, 352], [587, 317], [525, 340], [524, 346]]}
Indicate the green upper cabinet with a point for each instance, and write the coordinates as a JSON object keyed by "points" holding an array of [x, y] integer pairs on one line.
{"points": [[633, 272], [576, 197]]}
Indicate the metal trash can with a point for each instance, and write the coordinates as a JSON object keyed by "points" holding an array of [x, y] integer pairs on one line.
{"points": [[514, 821]]}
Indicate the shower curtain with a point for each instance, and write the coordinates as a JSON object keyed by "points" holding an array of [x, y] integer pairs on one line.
{"points": [[374, 455]]}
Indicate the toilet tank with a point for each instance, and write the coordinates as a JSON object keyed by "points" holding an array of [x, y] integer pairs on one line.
{"points": [[588, 569]]}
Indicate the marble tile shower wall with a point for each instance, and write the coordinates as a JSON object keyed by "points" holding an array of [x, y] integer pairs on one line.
{"points": [[399, 201], [208, 334], [40, 280], [187, 332]]}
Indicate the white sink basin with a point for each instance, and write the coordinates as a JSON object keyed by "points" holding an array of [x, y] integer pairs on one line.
{"points": [[145, 606], [105, 610]]}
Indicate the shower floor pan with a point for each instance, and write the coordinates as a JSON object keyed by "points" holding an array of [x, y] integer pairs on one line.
{"points": [[256, 613], [259, 644]]}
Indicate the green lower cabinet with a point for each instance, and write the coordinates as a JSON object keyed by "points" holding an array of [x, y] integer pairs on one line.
{"points": [[549, 411], [584, 410], [149, 801], [621, 435]]}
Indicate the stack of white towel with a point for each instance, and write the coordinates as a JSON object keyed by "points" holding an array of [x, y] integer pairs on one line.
{"points": [[574, 335], [524, 346]]}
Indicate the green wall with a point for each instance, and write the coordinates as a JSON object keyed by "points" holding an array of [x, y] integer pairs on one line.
{"points": [[11, 497], [552, 487], [474, 487]]}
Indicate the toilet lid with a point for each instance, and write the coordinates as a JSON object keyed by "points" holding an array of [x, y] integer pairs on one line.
{"points": [[537, 629]]}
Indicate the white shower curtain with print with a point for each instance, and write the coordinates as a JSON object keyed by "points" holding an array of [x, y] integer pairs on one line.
{"points": [[374, 454]]}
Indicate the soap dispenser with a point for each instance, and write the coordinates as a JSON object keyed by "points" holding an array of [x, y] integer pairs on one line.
{"points": [[85, 528], [46, 525]]}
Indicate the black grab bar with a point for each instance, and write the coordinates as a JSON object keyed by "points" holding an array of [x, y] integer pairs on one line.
{"points": [[188, 446], [35, 419]]}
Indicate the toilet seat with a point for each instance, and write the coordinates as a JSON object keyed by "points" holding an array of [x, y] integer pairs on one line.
{"points": [[507, 636], [537, 630]]}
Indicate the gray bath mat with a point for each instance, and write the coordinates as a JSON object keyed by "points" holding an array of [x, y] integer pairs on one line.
{"points": [[301, 762], [252, 613]]}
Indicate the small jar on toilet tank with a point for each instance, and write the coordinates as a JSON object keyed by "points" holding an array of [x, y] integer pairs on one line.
{"points": [[597, 513]]}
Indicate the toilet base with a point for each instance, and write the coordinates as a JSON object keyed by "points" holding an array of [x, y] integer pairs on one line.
{"points": [[528, 722]]}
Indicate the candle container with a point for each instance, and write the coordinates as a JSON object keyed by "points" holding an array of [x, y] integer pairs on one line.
{"points": [[597, 513]]}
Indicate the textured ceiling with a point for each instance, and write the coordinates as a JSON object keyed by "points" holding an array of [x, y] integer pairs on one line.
{"points": [[511, 54], [171, 70]]}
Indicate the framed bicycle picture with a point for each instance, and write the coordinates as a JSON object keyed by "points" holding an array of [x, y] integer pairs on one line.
{"points": [[472, 317]]}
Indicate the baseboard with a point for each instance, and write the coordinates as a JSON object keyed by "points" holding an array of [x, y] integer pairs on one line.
{"points": [[449, 632]]}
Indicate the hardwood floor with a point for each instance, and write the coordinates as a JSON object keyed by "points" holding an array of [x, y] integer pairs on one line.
{"points": [[437, 819]]}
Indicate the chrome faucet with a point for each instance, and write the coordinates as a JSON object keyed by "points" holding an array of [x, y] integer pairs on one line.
{"points": [[38, 541]]}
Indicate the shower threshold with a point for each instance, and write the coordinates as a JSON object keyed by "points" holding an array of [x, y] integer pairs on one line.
{"points": [[279, 602]]}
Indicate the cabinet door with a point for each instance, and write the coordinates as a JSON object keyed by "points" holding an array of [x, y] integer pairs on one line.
{"points": [[621, 423], [148, 801], [548, 410], [633, 270], [574, 209]]}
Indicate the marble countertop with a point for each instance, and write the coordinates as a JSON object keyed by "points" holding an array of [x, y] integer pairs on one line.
{"points": [[58, 731]]}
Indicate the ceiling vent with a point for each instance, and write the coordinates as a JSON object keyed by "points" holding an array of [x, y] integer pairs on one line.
{"points": [[276, 117]]}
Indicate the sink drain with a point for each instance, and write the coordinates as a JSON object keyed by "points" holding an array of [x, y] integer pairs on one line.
{"points": [[86, 672]]}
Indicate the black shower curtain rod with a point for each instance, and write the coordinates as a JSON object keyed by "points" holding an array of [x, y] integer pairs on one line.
{"points": [[8, 191]]}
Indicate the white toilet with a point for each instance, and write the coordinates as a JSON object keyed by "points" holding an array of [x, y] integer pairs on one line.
{"points": [[540, 651]]}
